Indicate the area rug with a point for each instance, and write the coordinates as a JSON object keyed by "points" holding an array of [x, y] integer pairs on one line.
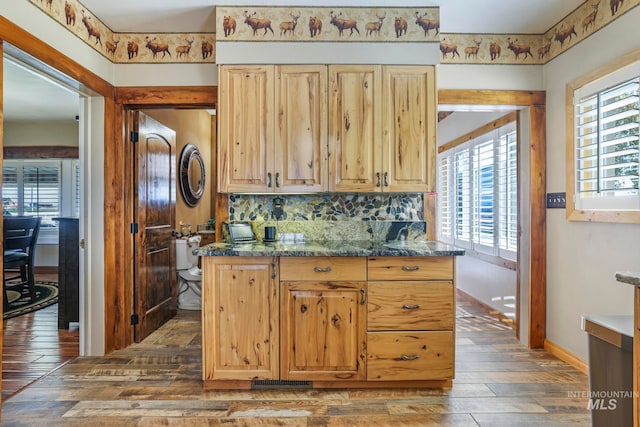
{"points": [[19, 304]]}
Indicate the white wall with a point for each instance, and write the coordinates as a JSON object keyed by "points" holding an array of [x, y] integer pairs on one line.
{"points": [[491, 284], [40, 133], [582, 257]]}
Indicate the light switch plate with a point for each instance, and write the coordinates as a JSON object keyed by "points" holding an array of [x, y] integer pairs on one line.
{"points": [[556, 200]]}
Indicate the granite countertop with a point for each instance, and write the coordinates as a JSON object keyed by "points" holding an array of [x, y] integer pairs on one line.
{"points": [[331, 248], [630, 277]]}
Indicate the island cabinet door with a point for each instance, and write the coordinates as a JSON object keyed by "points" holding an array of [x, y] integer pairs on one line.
{"points": [[323, 331], [239, 317]]}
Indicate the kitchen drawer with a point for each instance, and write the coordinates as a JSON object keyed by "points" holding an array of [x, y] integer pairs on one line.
{"points": [[411, 268], [410, 305], [403, 356], [323, 268]]}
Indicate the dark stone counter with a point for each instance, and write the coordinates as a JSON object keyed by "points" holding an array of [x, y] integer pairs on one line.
{"points": [[331, 248]]}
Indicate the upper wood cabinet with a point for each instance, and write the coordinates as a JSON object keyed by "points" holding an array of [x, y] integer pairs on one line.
{"points": [[273, 122], [382, 128], [245, 140], [280, 131]]}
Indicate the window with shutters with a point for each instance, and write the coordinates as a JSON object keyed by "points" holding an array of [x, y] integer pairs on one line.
{"points": [[604, 145], [478, 193], [47, 189]]}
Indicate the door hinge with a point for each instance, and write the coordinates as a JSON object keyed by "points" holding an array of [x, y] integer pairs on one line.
{"points": [[133, 136], [134, 227], [134, 319]]}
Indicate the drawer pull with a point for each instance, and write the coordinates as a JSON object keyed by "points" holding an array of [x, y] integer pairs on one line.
{"points": [[407, 268], [414, 357], [322, 270], [410, 307]]}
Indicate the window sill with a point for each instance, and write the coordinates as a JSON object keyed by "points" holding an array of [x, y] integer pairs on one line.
{"points": [[501, 262], [623, 217]]}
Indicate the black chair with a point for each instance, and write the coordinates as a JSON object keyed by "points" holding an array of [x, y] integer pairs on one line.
{"points": [[20, 236]]}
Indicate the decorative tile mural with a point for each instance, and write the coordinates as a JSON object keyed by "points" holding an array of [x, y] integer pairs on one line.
{"points": [[129, 47], [327, 24], [335, 24], [335, 216]]}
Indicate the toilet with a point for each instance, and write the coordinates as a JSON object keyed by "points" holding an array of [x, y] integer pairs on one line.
{"points": [[189, 275]]}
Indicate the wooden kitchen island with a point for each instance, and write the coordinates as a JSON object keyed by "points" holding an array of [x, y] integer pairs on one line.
{"points": [[328, 315]]}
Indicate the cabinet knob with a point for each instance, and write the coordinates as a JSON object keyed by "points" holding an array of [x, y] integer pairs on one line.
{"points": [[322, 270]]}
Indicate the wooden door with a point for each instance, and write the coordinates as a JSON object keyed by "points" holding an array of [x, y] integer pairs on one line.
{"points": [[323, 331], [245, 139], [239, 318], [409, 118], [301, 134], [354, 128], [155, 289]]}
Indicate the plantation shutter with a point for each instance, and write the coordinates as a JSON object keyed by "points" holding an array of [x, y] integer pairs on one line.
{"points": [[508, 194], [607, 146], [444, 200]]}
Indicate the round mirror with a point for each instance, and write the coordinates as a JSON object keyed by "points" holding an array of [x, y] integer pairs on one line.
{"points": [[192, 174]]}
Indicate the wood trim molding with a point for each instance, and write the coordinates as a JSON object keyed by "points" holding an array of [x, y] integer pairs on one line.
{"points": [[536, 102], [40, 152], [176, 96], [491, 97], [566, 356], [496, 124], [25, 41]]}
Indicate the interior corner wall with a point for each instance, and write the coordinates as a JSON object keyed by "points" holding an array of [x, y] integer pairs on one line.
{"points": [[191, 127], [582, 257], [31, 19]]}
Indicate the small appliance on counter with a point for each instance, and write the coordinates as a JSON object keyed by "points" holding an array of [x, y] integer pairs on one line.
{"points": [[238, 232]]}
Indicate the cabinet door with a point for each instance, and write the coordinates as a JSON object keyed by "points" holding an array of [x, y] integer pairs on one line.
{"points": [[240, 318], [323, 330], [354, 128], [245, 140], [301, 134], [409, 117]]}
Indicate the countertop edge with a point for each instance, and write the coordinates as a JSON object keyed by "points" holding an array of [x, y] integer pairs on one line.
{"points": [[329, 249], [629, 277]]}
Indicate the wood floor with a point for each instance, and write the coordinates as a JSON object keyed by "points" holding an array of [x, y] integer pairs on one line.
{"points": [[157, 382], [33, 346]]}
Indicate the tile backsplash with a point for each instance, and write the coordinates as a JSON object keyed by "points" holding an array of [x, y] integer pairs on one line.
{"points": [[335, 216]]}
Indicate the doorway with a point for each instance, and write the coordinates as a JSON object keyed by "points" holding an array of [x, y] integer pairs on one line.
{"points": [[530, 298], [42, 170]]}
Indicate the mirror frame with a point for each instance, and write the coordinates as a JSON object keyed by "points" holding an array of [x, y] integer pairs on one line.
{"points": [[190, 158]]}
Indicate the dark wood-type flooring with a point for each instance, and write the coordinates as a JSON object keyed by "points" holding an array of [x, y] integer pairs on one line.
{"points": [[33, 346], [157, 382]]}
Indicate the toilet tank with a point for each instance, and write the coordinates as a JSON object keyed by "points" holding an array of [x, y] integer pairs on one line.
{"points": [[184, 248]]}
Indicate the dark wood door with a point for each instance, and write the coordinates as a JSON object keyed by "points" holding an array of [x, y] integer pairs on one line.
{"points": [[155, 288]]}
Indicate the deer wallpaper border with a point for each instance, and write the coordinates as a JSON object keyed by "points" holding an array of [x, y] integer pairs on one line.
{"points": [[351, 24], [123, 48]]}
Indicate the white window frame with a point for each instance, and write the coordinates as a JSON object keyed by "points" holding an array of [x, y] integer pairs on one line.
{"points": [[451, 200], [604, 207], [67, 191]]}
